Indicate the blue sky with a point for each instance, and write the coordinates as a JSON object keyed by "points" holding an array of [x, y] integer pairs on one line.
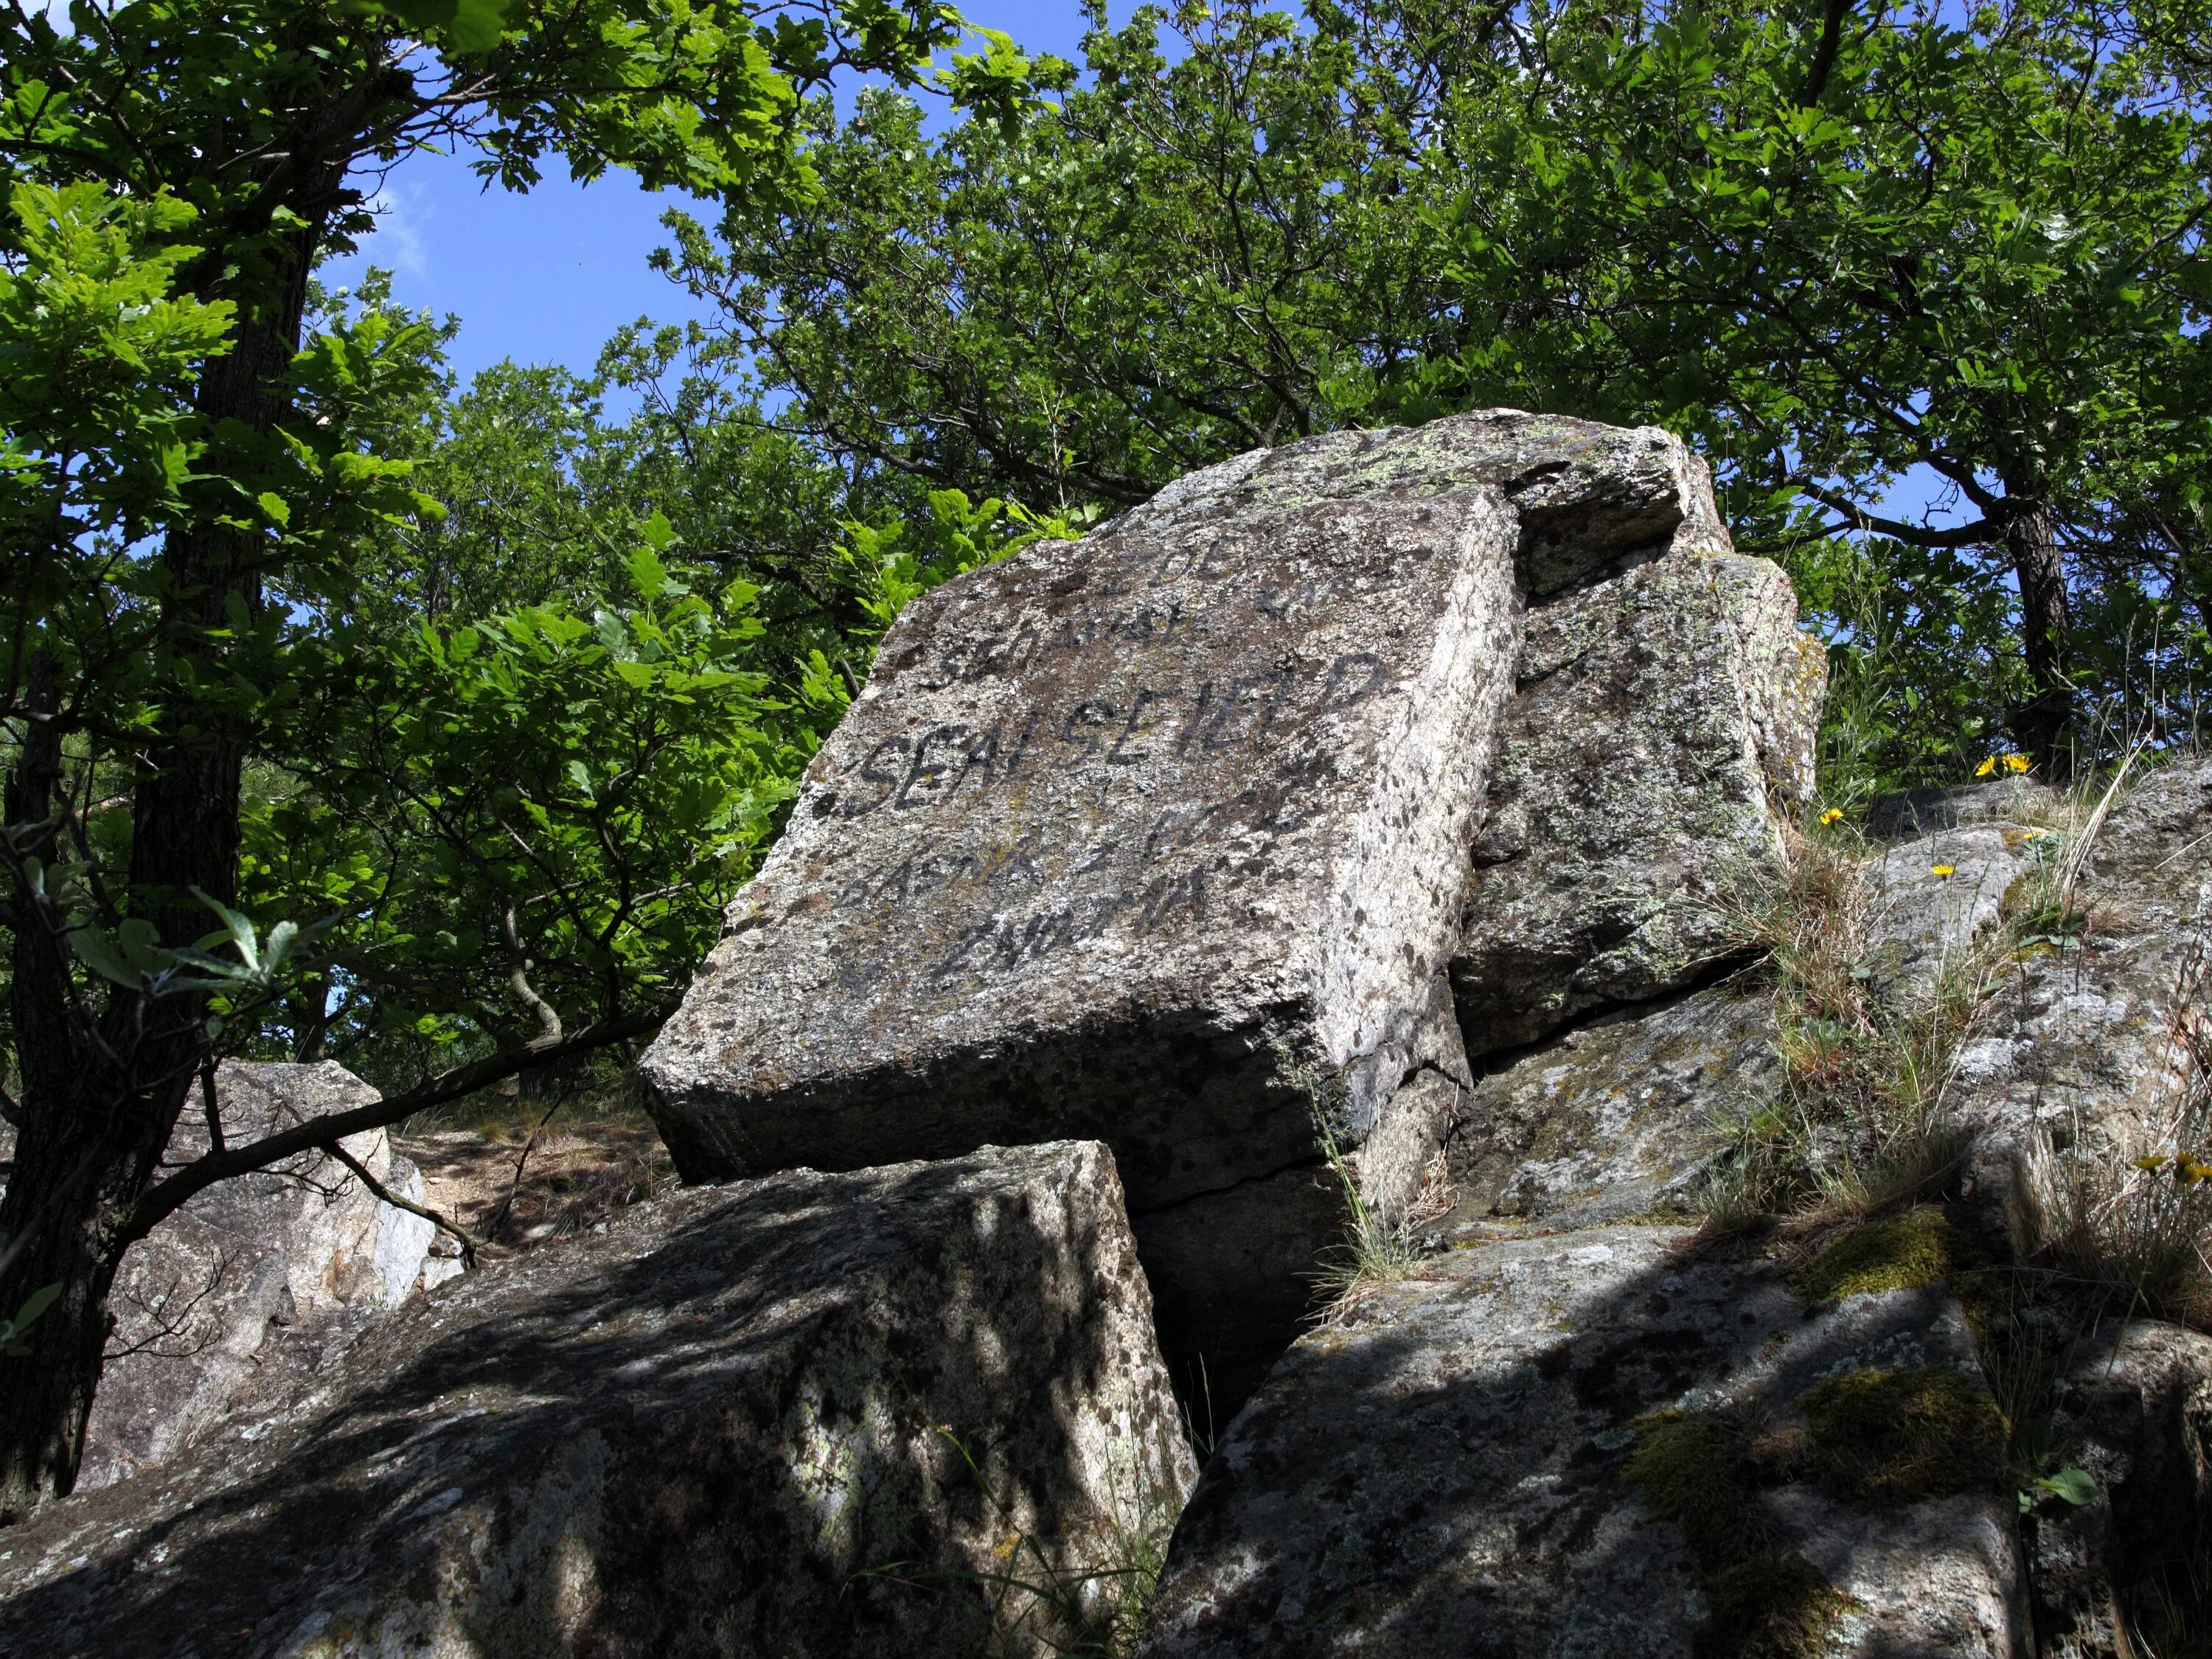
{"points": [[547, 277]]}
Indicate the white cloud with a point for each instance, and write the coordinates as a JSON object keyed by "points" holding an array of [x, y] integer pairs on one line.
{"points": [[398, 242]]}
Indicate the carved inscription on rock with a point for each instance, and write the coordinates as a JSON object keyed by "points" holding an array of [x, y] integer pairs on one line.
{"points": [[1101, 801]]}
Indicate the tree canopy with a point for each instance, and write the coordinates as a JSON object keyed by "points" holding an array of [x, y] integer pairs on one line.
{"points": [[1852, 255]]}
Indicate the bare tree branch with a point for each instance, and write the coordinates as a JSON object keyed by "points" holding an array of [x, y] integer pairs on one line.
{"points": [[317, 1133], [1857, 518], [384, 1194]]}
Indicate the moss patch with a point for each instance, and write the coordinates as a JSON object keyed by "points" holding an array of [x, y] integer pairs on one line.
{"points": [[1891, 1437], [1907, 1254], [1768, 1601], [1775, 1606]]}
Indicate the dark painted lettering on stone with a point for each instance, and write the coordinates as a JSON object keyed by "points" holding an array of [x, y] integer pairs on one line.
{"points": [[911, 878], [1121, 754], [1280, 602], [1095, 858], [1082, 726], [923, 771], [1021, 744], [1237, 710], [990, 658], [982, 755], [1352, 677], [1176, 829], [1018, 867], [868, 772], [1001, 943], [1273, 804], [1208, 559], [1168, 894], [1197, 716]]}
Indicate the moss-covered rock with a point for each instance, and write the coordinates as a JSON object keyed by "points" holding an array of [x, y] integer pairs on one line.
{"points": [[1908, 1254], [1700, 1471], [1895, 1437], [1775, 1606]]}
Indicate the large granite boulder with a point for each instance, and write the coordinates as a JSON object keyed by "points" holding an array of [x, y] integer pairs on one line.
{"points": [[1160, 837], [1661, 735], [197, 1299], [812, 1415]]}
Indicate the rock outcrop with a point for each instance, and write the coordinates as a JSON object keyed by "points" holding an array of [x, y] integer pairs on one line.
{"points": [[1569, 1430], [1162, 838], [1662, 736], [1599, 1444], [1393, 810], [815, 1414], [197, 1299]]}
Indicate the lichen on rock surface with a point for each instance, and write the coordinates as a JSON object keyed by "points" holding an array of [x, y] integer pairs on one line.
{"points": [[741, 1421], [1618, 1118], [1661, 737]]}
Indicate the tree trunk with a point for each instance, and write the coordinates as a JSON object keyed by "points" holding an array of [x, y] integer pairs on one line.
{"points": [[2043, 724], [99, 1107], [52, 1201]]}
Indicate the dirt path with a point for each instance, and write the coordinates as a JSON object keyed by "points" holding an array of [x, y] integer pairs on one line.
{"points": [[574, 1178]]}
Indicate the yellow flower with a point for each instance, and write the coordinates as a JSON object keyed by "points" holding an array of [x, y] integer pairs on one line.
{"points": [[2151, 1163], [1940, 869], [2017, 764], [1987, 769], [1833, 815], [2195, 1173]]}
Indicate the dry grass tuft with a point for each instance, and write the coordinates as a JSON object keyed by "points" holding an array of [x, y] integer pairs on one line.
{"points": [[1374, 1250], [2128, 1220], [1860, 1124]]}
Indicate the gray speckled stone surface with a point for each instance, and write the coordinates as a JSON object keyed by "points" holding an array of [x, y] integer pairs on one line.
{"points": [[719, 1428], [1919, 921], [1615, 1118], [1662, 730], [2132, 1409], [1442, 1471], [2079, 1048], [1157, 837], [290, 1246]]}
